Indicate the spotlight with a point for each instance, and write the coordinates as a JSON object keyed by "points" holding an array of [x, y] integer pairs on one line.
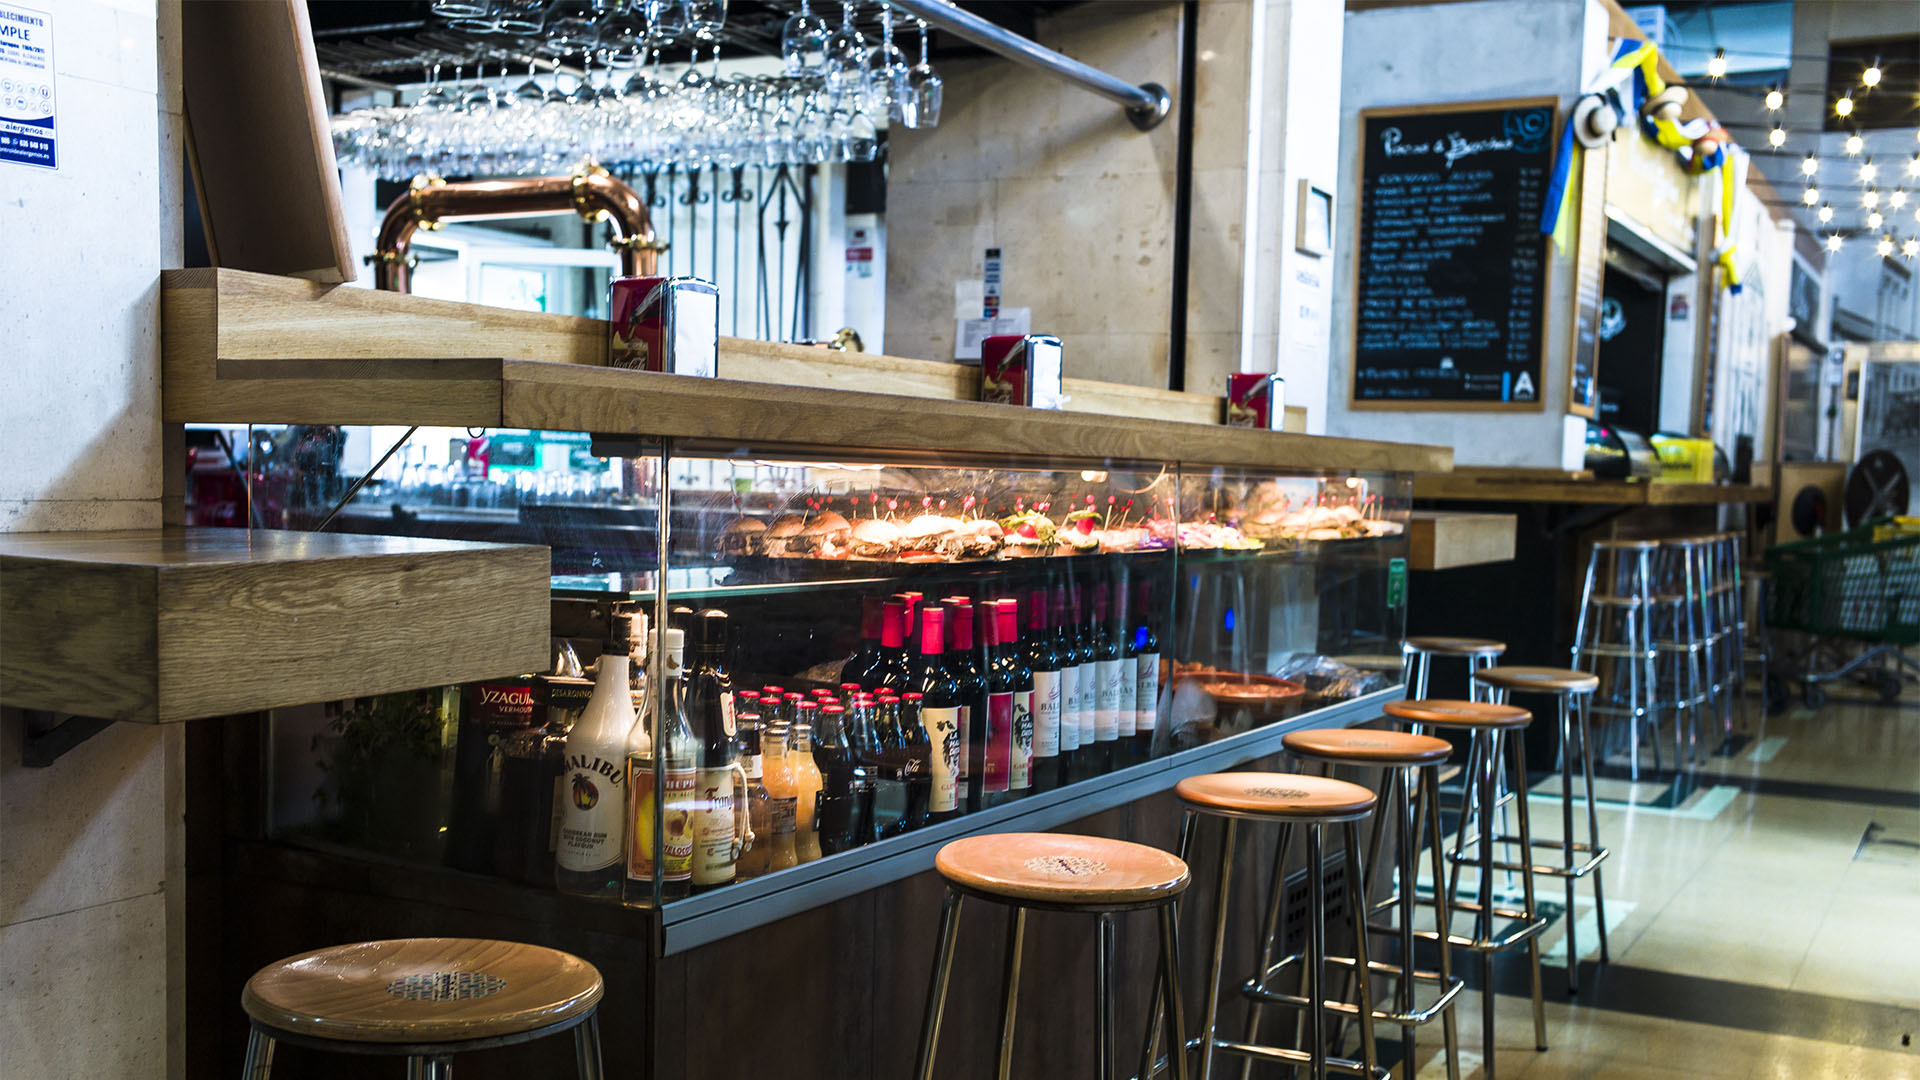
{"points": [[1913, 165], [1910, 247], [1833, 241], [1898, 199], [1826, 213], [1870, 78], [1868, 171], [1874, 220], [1844, 107], [1777, 138], [1854, 144], [1717, 67], [1885, 246], [1810, 196], [1870, 198], [1810, 164], [1775, 99]]}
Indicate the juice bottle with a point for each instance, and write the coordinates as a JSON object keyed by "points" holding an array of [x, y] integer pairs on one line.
{"points": [[807, 786], [782, 782]]}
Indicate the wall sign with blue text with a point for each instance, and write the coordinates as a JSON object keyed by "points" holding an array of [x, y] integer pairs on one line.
{"points": [[27, 135], [1450, 267]]}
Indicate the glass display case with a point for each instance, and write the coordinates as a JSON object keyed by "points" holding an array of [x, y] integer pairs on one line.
{"points": [[864, 653]]}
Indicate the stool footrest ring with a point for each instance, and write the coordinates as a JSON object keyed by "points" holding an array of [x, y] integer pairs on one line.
{"points": [[1256, 990], [1521, 931], [1299, 1057]]}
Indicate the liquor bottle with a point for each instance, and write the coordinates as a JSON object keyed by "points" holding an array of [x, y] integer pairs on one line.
{"points": [[756, 858], [587, 861], [808, 784], [782, 797], [847, 690], [790, 706], [1044, 663], [859, 667], [1106, 683], [1062, 642], [910, 620], [964, 665], [532, 774], [835, 813], [917, 755], [1093, 755], [891, 672], [996, 774], [1146, 655], [665, 734], [1015, 659], [1129, 747], [890, 779], [491, 714], [940, 698], [709, 708]]}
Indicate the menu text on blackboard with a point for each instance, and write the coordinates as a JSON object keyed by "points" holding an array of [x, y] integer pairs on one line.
{"points": [[1451, 274]]}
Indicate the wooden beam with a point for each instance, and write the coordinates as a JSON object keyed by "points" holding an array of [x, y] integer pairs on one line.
{"points": [[1444, 539]]}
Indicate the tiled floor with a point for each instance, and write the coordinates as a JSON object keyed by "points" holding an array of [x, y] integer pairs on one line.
{"points": [[1784, 878]]}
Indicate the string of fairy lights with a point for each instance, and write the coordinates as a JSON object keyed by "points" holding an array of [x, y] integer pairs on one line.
{"points": [[1881, 189]]}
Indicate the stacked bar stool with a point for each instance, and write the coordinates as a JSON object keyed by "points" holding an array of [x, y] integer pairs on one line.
{"points": [[1728, 642], [1418, 652], [1311, 804], [1573, 691], [1057, 872], [1681, 635], [1493, 728], [424, 999], [1613, 635], [1408, 801]]}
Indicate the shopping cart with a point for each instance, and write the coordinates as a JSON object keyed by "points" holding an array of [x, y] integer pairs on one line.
{"points": [[1860, 587]]}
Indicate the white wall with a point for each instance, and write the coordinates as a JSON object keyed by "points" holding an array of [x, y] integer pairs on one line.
{"points": [[90, 914], [1463, 52]]}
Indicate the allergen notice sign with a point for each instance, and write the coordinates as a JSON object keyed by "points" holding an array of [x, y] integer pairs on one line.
{"points": [[27, 134]]}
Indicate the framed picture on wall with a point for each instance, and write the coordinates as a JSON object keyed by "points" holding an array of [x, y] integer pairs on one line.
{"points": [[1313, 233]]}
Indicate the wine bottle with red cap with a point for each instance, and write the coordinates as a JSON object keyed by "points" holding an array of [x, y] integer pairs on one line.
{"points": [[1043, 661]]}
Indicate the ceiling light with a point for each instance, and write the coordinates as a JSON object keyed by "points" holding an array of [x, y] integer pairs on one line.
{"points": [[1870, 78], [1826, 212], [1913, 165], [1874, 220], [1777, 138], [1898, 199], [1844, 107], [1885, 246], [1717, 67], [1775, 98], [1833, 241], [1810, 164], [1870, 198], [1868, 171], [1810, 196], [1854, 144], [1910, 247]]}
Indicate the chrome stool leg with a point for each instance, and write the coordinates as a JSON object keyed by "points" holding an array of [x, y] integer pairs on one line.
{"points": [[1532, 915], [1010, 994], [1222, 895], [259, 1061], [1269, 940], [586, 1048], [937, 993], [1593, 831], [1103, 1050]]}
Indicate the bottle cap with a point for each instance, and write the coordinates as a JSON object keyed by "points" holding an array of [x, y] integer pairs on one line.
{"points": [[713, 630], [933, 630], [1007, 621], [1037, 610], [807, 705], [793, 695], [870, 617], [912, 695], [773, 691], [849, 687], [962, 625], [824, 709], [892, 628]]}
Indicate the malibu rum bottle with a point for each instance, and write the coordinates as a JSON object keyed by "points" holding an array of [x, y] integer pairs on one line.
{"points": [[593, 826]]}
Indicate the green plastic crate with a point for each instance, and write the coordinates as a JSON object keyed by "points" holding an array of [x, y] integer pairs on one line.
{"points": [[1848, 585]]}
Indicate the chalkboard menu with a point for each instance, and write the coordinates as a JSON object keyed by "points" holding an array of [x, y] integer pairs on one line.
{"points": [[1451, 275]]}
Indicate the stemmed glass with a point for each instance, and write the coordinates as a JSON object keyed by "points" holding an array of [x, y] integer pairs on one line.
{"points": [[887, 73], [803, 41], [846, 55], [924, 87]]}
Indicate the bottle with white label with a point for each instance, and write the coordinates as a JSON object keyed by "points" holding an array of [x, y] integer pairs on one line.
{"points": [[587, 860], [1128, 746], [709, 709], [1044, 662], [1063, 650], [1093, 759], [1106, 683], [939, 714], [660, 828], [1145, 647]]}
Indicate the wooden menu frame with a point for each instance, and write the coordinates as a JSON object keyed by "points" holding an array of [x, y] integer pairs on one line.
{"points": [[1354, 402], [1589, 253]]}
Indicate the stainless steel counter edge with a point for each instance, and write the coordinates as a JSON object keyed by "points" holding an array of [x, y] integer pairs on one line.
{"points": [[699, 920]]}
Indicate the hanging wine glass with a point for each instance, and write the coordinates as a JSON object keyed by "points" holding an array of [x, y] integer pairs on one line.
{"points": [[925, 88], [706, 18], [887, 74], [803, 41], [846, 56]]}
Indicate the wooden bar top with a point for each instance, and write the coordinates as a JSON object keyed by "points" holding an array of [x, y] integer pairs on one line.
{"points": [[161, 625], [1474, 484]]}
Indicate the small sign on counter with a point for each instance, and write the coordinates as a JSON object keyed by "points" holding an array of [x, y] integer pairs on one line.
{"points": [[27, 135], [1021, 369], [1256, 400], [664, 324]]}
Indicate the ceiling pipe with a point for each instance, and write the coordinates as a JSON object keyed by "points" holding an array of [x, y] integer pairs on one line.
{"points": [[1146, 104]]}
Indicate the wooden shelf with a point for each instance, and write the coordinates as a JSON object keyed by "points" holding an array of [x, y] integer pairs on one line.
{"points": [[162, 625], [1529, 485], [1444, 539], [253, 348]]}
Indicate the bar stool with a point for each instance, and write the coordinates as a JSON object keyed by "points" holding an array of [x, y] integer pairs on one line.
{"points": [[1288, 800], [425, 999], [1572, 689], [1409, 798], [1418, 652], [1493, 727], [1613, 627], [1057, 872], [1681, 631], [1727, 643]]}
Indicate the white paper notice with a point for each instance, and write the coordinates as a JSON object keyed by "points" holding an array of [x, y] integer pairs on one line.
{"points": [[966, 341], [968, 296], [26, 87]]}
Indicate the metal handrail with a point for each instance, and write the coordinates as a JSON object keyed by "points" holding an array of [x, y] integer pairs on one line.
{"points": [[1146, 104]]}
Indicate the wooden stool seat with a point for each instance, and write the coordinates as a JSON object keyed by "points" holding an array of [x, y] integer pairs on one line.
{"points": [[417, 991], [1538, 680], [1276, 795], [1368, 746], [1059, 868], [1458, 646], [1380, 662], [1443, 712], [1626, 545]]}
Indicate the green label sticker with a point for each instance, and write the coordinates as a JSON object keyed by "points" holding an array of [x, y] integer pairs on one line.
{"points": [[1396, 583]]}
